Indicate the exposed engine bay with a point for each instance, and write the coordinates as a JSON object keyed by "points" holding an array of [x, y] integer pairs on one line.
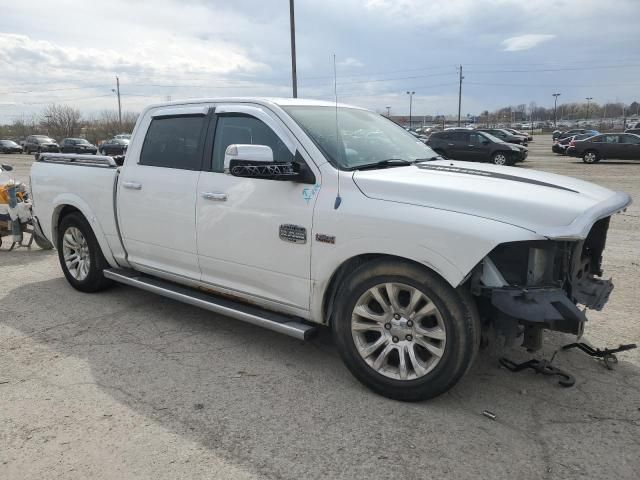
{"points": [[537, 285]]}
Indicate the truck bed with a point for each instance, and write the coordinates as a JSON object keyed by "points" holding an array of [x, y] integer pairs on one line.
{"points": [[84, 182]]}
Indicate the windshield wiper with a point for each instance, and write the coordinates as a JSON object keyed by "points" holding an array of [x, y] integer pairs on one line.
{"points": [[389, 162], [430, 159]]}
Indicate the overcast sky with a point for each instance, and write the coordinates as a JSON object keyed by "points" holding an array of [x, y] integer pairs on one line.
{"points": [[512, 52]]}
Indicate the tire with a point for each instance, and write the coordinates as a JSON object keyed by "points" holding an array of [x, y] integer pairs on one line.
{"points": [[102, 152], [42, 242], [591, 156], [501, 158], [80, 237], [425, 374]]}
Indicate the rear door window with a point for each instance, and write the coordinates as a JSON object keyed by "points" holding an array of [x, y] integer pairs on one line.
{"points": [[174, 142]]}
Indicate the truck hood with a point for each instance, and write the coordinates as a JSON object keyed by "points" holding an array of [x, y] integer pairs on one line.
{"points": [[551, 205]]}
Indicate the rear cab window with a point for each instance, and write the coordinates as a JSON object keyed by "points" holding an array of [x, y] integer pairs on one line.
{"points": [[174, 142]]}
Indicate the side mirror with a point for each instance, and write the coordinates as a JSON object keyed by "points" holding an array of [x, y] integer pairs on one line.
{"points": [[6, 167], [256, 161]]}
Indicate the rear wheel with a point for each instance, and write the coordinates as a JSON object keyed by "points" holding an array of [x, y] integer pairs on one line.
{"points": [[591, 156], [80, 255], [403, 331]]}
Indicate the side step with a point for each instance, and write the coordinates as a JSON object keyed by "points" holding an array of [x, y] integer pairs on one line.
{"points": [[247, 313]]}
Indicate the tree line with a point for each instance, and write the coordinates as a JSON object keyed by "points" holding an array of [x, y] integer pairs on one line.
{"points": [[564, 111], [64, 121]]}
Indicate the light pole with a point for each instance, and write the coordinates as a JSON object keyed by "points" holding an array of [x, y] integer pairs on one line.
{"points": [[388, 112], [555, 110], [117, 92], [292, 25], [411, 94], [588, 99]]}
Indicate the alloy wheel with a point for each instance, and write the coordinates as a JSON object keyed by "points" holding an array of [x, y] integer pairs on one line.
{"points": [[398, 331], [75, 251]]}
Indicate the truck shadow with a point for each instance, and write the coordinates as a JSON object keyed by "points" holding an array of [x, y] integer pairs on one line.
{"points": [[254, 396]]}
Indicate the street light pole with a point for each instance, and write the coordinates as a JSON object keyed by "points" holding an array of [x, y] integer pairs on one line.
{"points": [[555, 110], [588, 99], [460, 95], [388, 112], [411, 94], [117, 92], [294, 74]]}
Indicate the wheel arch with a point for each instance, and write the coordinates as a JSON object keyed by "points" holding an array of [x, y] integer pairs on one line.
{"points": [[69, 204], [349, 265]]}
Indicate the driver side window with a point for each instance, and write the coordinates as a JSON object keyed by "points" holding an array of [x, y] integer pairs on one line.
{"points": [[245, 129]]}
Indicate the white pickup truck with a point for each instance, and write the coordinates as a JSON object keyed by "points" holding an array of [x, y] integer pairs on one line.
{"points": [[290, 214]]}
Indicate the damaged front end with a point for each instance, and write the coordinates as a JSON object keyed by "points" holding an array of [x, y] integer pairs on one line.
{"points": [[539, 284]]}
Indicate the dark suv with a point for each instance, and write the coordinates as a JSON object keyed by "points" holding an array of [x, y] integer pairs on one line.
{"points": [[78, 145], [622, 146], [476, 146], [40, 143]]}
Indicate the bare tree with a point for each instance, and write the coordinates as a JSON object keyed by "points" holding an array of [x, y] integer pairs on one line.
{"points": [[61, 121]]}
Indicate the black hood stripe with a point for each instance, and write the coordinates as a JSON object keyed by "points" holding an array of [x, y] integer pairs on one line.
{"points": [[480, 173]]}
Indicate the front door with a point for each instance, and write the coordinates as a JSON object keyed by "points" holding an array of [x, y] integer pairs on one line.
{"points": [[157, 192], [243, 224]]}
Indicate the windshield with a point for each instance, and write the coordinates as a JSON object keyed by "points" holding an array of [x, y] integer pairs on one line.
{"points": [[492, 138], [81, 141], [45, 140], [361, 137]]}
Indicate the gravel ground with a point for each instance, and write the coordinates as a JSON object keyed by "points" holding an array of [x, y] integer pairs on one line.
{"points": [[125, 384]]}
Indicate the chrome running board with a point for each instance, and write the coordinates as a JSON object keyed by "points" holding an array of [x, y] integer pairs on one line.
{"points": [[224, 306]]}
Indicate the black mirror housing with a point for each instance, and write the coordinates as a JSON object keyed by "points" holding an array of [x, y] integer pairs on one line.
{"points": [[296, 171]]}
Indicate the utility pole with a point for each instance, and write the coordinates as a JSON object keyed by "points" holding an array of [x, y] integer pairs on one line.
{"points": [[460, 95], [588, 99], [117, 92], [555, 110], [388, 112], [294, 74], [411, 94]]}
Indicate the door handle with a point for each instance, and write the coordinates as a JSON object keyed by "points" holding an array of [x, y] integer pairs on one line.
{"points": [[220, 197], [451, 144], [132, 185]]}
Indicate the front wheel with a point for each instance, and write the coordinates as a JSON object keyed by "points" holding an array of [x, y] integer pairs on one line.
{"points": [[403, 331], [591, 156], [102, 152], [80, 255], [501, 158]]}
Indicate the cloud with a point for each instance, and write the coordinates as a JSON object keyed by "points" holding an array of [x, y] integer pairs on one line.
{"points": [[525, 42], [350, 62]]}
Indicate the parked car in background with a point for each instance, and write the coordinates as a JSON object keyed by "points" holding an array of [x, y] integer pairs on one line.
{"points": [[526, 135], [40, 143], [608, 146], [476, 146], [9, 146], [123, 136], [576, 131], [419, 136], [505, 136], [633, 130], [115, 146], [78, 145], [560, 146]]}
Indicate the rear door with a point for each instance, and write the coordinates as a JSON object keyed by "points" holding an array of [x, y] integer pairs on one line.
{"points": [[157, 191], [459, 147], [479, 147]]}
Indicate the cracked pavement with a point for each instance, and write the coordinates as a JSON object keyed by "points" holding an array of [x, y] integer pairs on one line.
{"points": [[125, 384]]}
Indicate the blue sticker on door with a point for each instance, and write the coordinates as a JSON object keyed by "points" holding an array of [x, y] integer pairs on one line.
{"points": [[310, 192]]}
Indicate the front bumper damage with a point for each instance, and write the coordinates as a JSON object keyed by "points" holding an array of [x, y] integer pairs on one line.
{"points": [[536, 285]]}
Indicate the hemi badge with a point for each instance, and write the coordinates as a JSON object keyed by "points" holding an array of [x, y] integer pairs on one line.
{"points": [[293, 233], [321, 237]]}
